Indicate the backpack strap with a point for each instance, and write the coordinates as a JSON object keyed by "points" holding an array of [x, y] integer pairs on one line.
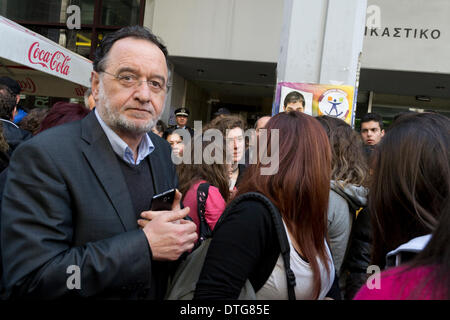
{"points": [[204, 229], [281, 233]]}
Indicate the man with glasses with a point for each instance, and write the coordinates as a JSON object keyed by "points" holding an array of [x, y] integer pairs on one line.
{"points": [[81, 226]]}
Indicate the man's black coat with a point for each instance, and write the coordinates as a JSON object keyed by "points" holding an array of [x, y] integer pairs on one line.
{"points": [[66, 204]]}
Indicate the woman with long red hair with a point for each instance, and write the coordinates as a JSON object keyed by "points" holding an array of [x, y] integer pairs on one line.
{"points": [[245, 245]]}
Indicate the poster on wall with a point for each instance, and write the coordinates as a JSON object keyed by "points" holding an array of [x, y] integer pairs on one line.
{"points": [[315, 100]]}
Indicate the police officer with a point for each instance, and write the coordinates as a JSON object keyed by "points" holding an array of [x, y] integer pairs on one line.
{"points": [[181, 118]]}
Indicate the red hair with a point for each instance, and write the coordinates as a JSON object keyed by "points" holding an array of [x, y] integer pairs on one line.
{"points": [[300, 189], [63, 112]]}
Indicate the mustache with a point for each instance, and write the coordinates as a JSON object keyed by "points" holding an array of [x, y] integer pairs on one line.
{"points": [[148, 107]]}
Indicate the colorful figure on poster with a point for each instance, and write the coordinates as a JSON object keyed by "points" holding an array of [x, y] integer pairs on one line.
{"points": [[334, 103]]}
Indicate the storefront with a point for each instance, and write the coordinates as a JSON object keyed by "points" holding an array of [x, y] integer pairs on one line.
{"points": [[77, 26]]}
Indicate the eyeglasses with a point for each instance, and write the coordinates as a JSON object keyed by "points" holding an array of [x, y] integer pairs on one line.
{"points": [[130, 80]]}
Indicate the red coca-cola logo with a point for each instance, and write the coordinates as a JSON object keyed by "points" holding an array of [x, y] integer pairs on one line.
{"points": [[27, 85], [56, 61]]}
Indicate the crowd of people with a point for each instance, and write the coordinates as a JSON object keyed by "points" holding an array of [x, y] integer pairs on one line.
{"points": [[77, 183]]}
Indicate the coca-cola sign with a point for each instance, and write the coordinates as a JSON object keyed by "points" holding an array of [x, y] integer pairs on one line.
{"points": [[55, 61], [27, 85]]}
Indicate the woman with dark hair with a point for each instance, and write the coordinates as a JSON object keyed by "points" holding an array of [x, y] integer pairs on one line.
{"points": [[214, 173], [245, 244], [232, 128], [159, 128], [63, 112], [348, 220], [409, 193], [176, 143]]}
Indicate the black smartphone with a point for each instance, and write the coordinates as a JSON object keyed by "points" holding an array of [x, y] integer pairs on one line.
{"points": [[163, 201]]}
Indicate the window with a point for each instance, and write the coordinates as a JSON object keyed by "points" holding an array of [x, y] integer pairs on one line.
{"points": [[120, 13], [98, 17]]}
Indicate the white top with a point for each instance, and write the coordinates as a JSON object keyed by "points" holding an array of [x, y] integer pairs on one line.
{"points": [[275, 287], [393, 258]]}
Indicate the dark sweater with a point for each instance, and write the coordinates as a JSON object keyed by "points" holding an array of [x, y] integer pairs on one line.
{"points": [[139, 181], [244, 246]]}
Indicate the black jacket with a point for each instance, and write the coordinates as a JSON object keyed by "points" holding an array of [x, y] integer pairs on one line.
{"points": [[357, 259], [75, 209], [250, 231], [14, 135]]}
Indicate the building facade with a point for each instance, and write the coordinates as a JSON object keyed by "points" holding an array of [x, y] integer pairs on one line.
{"points": [[224, 53]]}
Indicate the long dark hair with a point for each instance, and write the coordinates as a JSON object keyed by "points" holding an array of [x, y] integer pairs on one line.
{"points": [[301, 186], [348, 163], [411, 181]]}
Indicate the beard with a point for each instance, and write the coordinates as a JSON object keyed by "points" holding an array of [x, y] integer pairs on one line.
{"points": [[119, 121]]}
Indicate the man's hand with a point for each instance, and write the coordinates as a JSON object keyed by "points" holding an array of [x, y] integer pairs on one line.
{"points": [[167, 233], [150, 215]]}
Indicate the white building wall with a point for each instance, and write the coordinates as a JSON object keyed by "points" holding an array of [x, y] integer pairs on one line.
{"points": [[412, 35], [219, 29], [250, 30]]}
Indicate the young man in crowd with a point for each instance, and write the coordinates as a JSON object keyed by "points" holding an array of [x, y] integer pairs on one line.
{"points": [[372, 131]]}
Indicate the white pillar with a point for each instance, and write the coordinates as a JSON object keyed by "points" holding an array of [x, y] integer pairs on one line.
{"points": [[321, 41]]}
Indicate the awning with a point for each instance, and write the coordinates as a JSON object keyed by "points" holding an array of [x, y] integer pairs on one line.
{"points": [[41, 66]]}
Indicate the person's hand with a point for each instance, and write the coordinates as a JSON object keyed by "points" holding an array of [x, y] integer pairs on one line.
{"points": [[167, 233], [149, 215]]}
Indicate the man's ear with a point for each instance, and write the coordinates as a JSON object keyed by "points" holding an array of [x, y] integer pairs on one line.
{"points": [[95, 82], [17, 98], [382, 132]]}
